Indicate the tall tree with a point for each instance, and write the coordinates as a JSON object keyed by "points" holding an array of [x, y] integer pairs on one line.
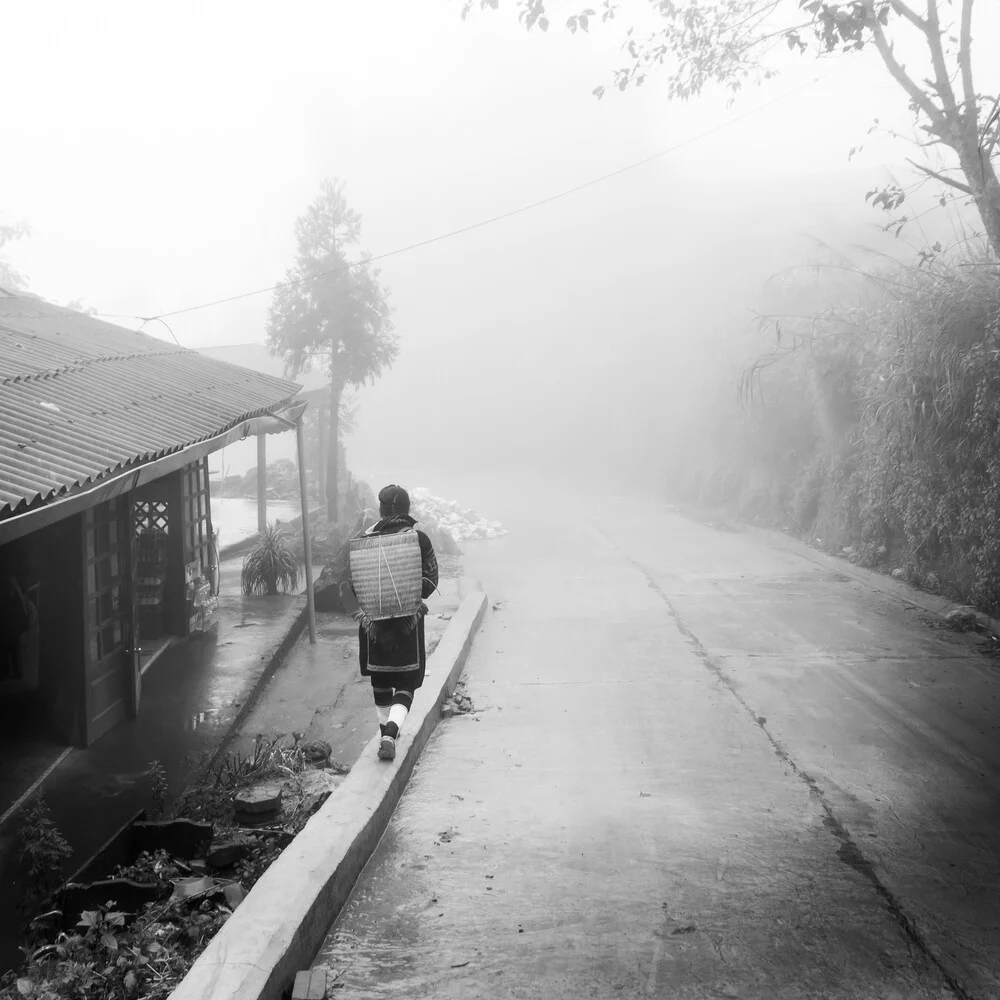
{"points": [[331, 310], [729, 43]]}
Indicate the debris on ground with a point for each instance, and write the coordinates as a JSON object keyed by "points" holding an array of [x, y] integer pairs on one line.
{"points": [[316, 751], [461, 523], [962, 619], [458, 704]]}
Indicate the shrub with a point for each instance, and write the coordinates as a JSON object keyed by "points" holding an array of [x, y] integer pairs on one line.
{"points": [[43, 852], [269, 567], [878, 426]]}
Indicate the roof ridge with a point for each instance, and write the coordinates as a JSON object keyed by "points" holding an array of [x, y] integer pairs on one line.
{"points": [[83, 363]]}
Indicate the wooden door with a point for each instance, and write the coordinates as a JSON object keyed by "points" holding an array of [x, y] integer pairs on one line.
{"points": [[111, 684]]}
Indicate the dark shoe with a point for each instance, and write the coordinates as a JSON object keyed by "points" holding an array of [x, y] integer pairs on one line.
{"points": [[387, 748]]}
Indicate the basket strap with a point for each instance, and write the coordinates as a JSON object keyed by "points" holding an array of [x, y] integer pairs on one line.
{"points": [[392, 579]]}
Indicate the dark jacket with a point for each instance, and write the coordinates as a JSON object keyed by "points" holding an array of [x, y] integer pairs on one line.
{"points": [[396, 645]]}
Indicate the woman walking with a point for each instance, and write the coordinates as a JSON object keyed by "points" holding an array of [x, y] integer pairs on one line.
{"points": [[391, 650]]}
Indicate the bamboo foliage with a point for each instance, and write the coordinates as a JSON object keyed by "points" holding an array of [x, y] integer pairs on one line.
{"points": [[877, 426]]}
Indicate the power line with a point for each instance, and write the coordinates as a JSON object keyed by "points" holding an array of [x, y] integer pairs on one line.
{"points": [[493, 219]]}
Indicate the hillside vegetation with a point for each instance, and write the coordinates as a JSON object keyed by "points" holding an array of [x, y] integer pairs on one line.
{"points": [[871, 425]]}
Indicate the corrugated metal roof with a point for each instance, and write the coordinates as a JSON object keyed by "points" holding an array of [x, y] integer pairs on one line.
{"points": [[81, 399]]}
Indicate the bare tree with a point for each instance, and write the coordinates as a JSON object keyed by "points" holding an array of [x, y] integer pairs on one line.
{"points": [[730, 43]]}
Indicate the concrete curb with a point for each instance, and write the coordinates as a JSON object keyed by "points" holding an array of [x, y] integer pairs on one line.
{"points": [[279, 927]]}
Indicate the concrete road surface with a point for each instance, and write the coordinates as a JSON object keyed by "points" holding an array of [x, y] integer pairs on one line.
{"points": [[700, 766]]}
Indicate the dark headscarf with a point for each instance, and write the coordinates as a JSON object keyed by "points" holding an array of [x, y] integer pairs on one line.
{"points": [[392, 500]]}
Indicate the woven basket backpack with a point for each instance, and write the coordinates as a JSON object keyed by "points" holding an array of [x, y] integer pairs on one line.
{"points": [[386, 573]]}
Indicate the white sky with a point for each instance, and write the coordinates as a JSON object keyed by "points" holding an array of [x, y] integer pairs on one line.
{"points": [[161, 152]]}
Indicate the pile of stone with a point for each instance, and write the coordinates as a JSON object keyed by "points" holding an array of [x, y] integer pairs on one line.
{"points": [[282, 481], [449, 517]]}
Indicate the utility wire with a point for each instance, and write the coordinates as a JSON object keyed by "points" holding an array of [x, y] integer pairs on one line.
{"points": [[493, 219]]}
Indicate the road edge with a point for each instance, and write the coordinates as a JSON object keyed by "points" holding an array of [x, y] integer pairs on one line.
{"points": [[278, 929], [931, 603]]}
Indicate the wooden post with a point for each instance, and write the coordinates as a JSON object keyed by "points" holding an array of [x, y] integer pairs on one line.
{"points": [[261, 482], [300, 440]]}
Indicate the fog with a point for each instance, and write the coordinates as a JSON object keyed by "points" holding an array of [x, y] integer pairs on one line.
{"points": [[162, 151]]}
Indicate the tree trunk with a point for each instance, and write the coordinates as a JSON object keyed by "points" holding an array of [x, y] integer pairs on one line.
{"points": [[322, 422], [983, 184], [333, 457]]}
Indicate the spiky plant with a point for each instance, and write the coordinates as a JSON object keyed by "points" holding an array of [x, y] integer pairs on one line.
{"points": [[269, 567]]}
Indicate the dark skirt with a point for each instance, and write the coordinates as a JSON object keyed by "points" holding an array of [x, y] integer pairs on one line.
{"points": [[399, 665]]}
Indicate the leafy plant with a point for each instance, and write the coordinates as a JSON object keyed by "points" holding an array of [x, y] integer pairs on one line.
{"points": [[270, 566], [43, 851], [100, 927], [158, 788], [269, 758]]}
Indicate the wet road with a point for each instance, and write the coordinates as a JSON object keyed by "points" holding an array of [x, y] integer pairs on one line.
{"points": [[701, 766]]}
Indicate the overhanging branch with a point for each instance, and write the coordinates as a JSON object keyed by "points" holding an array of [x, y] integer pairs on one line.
{"points": [[965, 64], [911, 15], [964, 188], [943, 82], [919, 98]]}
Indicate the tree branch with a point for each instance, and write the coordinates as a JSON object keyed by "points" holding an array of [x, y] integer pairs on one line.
{"points": [[919, 98], [964, 188], [965, 64], [937, 58], [911, 15]]}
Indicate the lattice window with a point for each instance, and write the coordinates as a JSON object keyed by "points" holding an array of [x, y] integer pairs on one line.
{"points": [[150, 525], [152, 516]]}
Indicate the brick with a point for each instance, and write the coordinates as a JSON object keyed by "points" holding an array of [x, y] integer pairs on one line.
{"points": [[310, 985], [262, 799]]}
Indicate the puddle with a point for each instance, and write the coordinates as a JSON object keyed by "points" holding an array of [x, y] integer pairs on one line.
{"points": [[202, 718]]}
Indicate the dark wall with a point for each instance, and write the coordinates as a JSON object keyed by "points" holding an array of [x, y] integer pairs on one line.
{"points": [[53, 558]]}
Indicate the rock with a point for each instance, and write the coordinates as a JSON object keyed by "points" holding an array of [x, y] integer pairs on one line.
{"points": [[962, 619], [259, 799], [450, 519], [310, 985], [251, 819], [234, 894], [447, 710], [317, 787], [316, 751], [899, 574], [226, 853]]}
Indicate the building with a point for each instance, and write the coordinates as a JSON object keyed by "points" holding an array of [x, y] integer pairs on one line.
{"points": [[105, 510]]}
